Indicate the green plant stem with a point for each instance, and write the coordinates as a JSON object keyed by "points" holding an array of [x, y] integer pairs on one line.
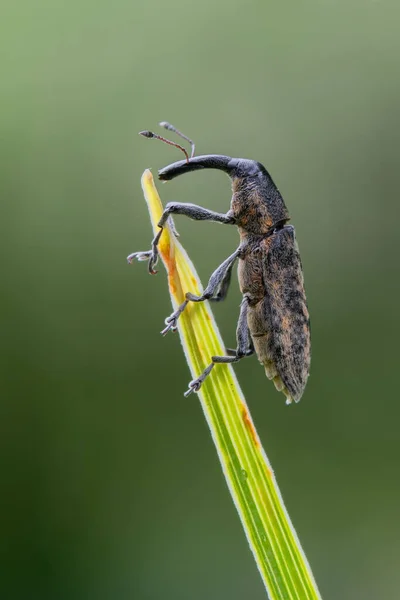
{"points": [[248, 473]]}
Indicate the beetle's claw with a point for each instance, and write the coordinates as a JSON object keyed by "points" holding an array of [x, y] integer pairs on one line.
{"points": [[194, 386], [140, 256], [171, 324], [153, 261], [149, 255]]}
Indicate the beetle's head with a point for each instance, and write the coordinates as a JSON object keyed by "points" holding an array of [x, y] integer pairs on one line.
{"points": [[252, 185], [250, 179]]}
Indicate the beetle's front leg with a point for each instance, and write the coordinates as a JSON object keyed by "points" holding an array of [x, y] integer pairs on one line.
{"points": [[212, 287], [197, 213], [150, 255]]}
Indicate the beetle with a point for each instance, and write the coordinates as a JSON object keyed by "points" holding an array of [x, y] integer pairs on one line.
{"points": [[274, 320]]}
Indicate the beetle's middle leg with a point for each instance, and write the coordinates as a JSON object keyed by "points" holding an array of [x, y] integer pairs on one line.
{"points": [[244, 348], [215, 282], [222, 292]]}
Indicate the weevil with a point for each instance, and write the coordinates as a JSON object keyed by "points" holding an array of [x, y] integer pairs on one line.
{"points": [[274, 320]]}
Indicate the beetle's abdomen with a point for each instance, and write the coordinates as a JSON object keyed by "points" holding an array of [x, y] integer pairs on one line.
{"points": [[279, 321], [262, 338]]}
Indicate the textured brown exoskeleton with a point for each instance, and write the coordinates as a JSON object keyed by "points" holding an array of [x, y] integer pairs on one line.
{"points": [[274, 320]]}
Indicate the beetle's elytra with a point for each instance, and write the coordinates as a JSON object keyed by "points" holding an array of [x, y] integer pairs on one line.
{"points": [[274, 320]]}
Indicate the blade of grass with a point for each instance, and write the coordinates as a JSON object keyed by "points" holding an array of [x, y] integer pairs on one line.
{"points": [[248, 473]]}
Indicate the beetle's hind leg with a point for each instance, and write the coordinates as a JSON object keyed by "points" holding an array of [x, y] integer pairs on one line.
{"points": [[233, 351], [214, 285], [244, 348]]}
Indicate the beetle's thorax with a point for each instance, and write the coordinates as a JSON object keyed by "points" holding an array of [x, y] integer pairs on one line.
{"points": [[257, 204]]}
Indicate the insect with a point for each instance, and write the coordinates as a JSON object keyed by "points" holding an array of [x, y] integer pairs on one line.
{"points": [[274, 320]]}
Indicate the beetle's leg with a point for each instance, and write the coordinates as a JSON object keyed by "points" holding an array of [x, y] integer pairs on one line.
{"points": [[214, 283], [249, 351], [233, 352], [244, 348], [197, 213], [150, 255], [224, 287], [140, 256]]}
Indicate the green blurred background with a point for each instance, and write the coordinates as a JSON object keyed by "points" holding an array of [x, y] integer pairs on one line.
{"points": [[111, 488]]}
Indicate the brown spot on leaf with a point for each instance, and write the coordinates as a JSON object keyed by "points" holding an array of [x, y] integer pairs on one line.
{"points": [[249, 426]]}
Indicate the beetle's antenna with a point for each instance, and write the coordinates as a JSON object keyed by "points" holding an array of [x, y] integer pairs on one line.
{"points": [[150, 134], [170, 127]]}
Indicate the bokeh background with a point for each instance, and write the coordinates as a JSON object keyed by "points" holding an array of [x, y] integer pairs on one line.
{"points": [[110, 484]]}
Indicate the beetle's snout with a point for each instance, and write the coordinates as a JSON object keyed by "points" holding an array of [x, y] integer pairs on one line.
{"points": [[208, 161], [234, 167]]}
